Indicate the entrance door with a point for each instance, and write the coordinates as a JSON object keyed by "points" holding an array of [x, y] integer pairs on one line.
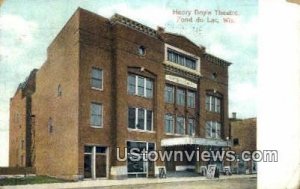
{"points": [[87, 166], [100, 165], [95, 162]]}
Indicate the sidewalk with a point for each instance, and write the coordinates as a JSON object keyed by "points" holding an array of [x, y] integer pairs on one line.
{"points": [[131, 181]]}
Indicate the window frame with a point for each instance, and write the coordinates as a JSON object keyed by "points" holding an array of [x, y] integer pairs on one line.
{"points": [[141, 86], [188, 103], [213, 103], [194, 127], [178, 96], [216, 126], [144, 127], [98, 79], [168, 120], [177, 126], [100, 114]]}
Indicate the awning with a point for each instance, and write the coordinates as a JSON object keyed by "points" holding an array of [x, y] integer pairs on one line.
{"points": [[194, 141]]}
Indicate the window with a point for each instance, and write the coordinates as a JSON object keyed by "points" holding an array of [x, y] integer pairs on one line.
{"points": [[213, 129], [59, 90], [131, 84], [149, 88], [149, 120], [180, 97], [97, 78], [131, 118], [140, 118], [235, 141], [169, 123], [50, 125], [22, 144], [191, 99], [213, 104], [141, 86], [169, 94], [181, 59], [96, 115], [142, 50], [191, 127], [180, 125]]}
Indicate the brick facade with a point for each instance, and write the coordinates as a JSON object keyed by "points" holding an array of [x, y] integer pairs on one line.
{"points": [[243, 134], [61, 104]]}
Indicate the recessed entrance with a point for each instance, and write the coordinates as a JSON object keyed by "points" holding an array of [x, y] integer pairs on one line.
{"points": [[95, 162], [143, 167]]}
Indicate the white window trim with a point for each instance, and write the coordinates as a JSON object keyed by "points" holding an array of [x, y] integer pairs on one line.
{"points": [[184, 127], [214, 124], [173, 132], [145, 120], [102, 78], [198, 61], [96, 126], [144, 88]]}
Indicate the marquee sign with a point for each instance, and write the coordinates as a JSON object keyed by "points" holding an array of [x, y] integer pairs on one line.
{"points": [[181, 81]]}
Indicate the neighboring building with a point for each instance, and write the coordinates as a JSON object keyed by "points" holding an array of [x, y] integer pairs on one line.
{"points": [[111, 83], [21, 143], [243, 135]]}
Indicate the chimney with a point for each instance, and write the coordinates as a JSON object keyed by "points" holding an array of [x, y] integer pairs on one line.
{"points": [[160, 29], [233, 115]]}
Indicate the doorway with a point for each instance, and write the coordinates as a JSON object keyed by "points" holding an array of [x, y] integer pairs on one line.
{"points": [[138, 164], [95, 162]]}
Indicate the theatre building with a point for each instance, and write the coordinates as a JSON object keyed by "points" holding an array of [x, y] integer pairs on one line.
{"points": [[111, 84]]}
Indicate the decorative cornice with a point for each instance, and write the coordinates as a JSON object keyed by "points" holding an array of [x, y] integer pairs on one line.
{"points": [[181, 73], [216, 60], [116, 18]]}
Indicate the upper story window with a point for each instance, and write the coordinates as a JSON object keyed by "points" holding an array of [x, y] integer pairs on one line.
{"points": [[235, 141], [169, 94], [213, 129], [141, 86], [191, 127], [191, 99], [97, 78], [180, 96], [181, 59], [180, 125], [142, 50], [213, 104], [169, 123], [140, 118], [59, 90], [96, 118], [50, 125]]}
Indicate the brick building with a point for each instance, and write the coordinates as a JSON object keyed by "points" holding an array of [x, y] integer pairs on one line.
{"points": [[111, 83], [21, 153], [243, 135]]}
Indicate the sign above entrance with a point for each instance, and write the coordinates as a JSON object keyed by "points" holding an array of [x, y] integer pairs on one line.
{"points": [[181, 81]]}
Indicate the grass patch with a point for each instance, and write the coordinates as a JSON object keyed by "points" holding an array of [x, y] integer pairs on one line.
{"points": [[30, 180]]}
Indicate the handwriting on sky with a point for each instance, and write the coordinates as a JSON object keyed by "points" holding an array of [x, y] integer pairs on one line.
{"points": [[215, 16]]}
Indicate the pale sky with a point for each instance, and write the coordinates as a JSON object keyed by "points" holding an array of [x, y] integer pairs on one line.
{"points": [[28, 27]]}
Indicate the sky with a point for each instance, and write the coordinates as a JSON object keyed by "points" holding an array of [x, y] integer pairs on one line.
{"points": [[28, 27]]}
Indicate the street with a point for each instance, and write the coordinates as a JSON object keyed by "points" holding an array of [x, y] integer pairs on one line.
{"points": [[236, 183]]}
